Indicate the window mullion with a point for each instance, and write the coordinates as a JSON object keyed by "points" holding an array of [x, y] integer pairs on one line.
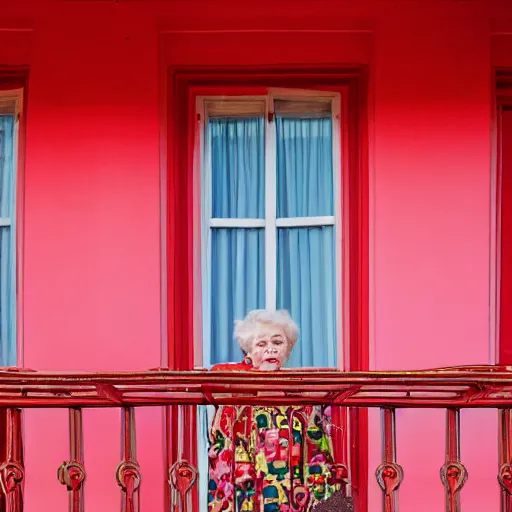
{"points": [[303, 222], [270, 212]]}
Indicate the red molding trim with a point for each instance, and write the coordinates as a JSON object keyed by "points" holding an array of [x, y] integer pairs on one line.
{"points": [[503, 78], [503, 102], [352, 81], [13, 77]]}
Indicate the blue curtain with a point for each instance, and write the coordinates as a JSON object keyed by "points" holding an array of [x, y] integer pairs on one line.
{"points": [[238, 286], [306, 271], [238, 167], [304, 167], [306, 281], [7, 245], [237, 154]]}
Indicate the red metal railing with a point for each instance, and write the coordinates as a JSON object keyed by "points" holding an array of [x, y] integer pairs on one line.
{"points": [[449, 388]]}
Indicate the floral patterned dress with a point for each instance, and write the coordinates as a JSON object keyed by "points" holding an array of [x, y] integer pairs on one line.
{"points": [[270, 459]]}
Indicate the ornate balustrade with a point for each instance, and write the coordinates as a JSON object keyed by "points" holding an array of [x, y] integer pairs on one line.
{"points": [[449, 388]]}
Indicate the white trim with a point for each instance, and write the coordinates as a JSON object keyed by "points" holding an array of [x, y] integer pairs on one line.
{"points": [[299, 222], [338, 228], [237, 223], [202, 285], [197, 313], [270, 212], [206, 207], [5, 221]]}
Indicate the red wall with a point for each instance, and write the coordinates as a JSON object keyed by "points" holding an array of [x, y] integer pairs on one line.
{"points": [[92, 201]]}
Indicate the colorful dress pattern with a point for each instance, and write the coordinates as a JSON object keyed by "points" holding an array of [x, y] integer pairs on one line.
{"points": [[270, 459]]}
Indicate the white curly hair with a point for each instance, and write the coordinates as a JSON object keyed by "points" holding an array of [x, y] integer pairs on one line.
{"points": [[247, 329]]}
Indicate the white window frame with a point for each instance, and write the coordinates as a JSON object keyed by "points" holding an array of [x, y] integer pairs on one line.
{"points": [[11, 103], [202, 187]]}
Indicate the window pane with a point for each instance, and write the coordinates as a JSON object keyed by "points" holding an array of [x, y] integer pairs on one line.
{"points": [[238, 167], [7, 300], [237, 286], [6, 165], [306, 287], [304, 166]]}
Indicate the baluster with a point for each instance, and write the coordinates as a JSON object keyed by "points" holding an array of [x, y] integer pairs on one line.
{"points": [[389, 474], [128, 473], [12, 471], [182, 474], [72, 473], [505, 459], [340, 473], [453, 473]]}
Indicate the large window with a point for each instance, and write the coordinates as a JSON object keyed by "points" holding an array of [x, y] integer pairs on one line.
{"points": [[10, 102], [271, 219]]}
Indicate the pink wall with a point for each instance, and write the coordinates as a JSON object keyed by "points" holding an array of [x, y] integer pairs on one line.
{"points": [[92, 266], [92, 235], [431, 263]]}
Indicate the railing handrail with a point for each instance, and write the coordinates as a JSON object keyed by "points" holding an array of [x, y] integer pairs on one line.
{"points": [[458, 387], [449, 388]]}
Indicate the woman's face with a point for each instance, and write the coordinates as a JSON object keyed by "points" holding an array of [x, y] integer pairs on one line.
{"points": [[269, 350]]}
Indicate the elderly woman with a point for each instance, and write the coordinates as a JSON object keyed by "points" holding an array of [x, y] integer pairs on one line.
{"points": [[268, 459]]}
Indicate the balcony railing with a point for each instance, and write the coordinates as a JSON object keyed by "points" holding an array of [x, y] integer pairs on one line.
{"points": [[451, 389]]}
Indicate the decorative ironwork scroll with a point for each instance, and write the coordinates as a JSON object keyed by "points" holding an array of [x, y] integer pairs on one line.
{"points": [[12, 472], [128, 472], [182, 474], [453, 472], [72, 473], [389, 474], [182, 477]]}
